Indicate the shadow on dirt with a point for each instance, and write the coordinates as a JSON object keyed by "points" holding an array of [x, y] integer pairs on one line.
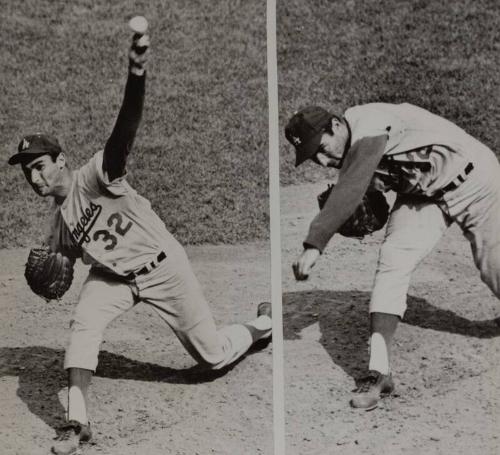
{"points": [[41, 376], [344, 323]]}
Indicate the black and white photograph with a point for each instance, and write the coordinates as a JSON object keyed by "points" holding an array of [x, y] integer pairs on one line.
{"points": [[134, 247], [250, 227], [390, 212]]}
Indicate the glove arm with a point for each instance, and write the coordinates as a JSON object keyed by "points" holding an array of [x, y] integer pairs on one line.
{"points": [[357, 171], [122, 137]]}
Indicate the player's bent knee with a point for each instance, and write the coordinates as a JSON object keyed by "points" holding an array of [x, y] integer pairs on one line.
{"points": [[83, 348], [234, 342], [396, 307]]}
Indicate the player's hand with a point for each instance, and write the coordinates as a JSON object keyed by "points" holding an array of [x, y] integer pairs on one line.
{"points": [[303, 265], [138, 54]]}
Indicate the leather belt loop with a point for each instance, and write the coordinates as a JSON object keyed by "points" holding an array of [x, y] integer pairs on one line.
{"points": [[148, 267]]}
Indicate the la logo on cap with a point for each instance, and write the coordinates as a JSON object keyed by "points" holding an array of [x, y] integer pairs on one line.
{"points": [[296, 140], [25, 145]]}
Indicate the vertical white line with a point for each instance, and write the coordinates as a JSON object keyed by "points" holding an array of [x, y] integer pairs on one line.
{"points": [[274, 205]]}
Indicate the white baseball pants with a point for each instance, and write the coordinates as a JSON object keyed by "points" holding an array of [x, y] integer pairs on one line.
{"points": [[174, 292], [416, 225]]}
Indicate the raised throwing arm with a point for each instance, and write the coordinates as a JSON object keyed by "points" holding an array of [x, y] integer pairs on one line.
{"points": [[122, 137]]}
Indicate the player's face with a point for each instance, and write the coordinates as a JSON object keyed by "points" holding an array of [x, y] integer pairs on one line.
{"points": [[44, 174], [332, 145]]}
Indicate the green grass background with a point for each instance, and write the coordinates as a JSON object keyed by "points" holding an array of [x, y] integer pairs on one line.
{"points": [[442, 55], [201, 155]]}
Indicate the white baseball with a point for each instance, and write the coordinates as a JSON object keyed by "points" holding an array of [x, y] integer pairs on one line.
{"points": [[138, 24]]}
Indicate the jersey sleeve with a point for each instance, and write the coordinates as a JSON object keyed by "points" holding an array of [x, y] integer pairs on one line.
{"points": [[93, 180], [373, 120], [358, 169], [122, 137]]}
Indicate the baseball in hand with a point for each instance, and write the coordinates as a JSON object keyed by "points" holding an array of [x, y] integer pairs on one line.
{"points": [[138, 24]]}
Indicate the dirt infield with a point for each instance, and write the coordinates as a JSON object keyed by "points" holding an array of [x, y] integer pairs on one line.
{"points": [[446, 357], [147, 396]]}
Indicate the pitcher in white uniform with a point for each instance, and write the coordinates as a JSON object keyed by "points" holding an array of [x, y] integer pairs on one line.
{"points": [[441, 175], [99, 217]]}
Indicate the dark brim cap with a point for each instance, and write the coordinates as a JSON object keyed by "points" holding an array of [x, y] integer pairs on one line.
{"points": [[308, 150], [304, 131], [35, 145]]}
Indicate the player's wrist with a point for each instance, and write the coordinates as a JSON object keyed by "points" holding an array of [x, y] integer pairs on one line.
{"points": [[138, 55], [310, 246]]}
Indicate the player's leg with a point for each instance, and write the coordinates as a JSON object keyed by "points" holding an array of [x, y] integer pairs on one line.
{"points": [[413, 229], [476, 207], [485, 244], [74, 431], [174, 292], [480, 221], [489, 265], [217, 348], [99, 303]]}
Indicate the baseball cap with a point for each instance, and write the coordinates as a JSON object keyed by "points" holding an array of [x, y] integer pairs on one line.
{"points": [[35, 145], [304, 131]]}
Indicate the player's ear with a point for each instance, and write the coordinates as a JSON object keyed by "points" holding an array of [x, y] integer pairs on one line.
{"points": [[61, 160], [336, 124], [329, 128]]}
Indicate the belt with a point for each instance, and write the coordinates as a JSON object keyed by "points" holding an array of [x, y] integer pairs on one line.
{"points": [[455, 183], [148, 267]]}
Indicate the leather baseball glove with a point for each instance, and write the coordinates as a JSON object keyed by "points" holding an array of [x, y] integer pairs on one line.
{"points": [[369, 216], [49, 274]]}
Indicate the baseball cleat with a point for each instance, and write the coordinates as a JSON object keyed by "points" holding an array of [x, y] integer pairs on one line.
{"points": [[371, 389], [261, 336], [70, 436], [265, 309]]}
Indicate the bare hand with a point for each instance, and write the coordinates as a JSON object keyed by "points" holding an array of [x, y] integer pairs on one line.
{"points": [[303, 265], [138, 54]]}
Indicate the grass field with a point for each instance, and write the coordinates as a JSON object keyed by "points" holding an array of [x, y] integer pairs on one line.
{"points": [[201, 155], [441, 55]]}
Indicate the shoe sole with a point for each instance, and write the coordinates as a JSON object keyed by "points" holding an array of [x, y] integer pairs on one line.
{"points": [[77, 451], [264, 309], [374, 406]]}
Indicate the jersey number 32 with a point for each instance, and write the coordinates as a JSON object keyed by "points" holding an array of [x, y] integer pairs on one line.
{"points": [[114, 221]]}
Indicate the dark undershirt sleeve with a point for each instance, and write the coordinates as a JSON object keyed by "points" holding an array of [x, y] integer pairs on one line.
{"points": [[122, 138], [357, 171]]}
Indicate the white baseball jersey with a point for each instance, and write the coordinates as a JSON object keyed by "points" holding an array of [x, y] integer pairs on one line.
{"points": [[108, 222], [429, 151], [400, 147], [115, 229], [112, 227]]}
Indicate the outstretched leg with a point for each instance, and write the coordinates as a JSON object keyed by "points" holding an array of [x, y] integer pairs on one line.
{"points": [[218, 348], [174, 292]]}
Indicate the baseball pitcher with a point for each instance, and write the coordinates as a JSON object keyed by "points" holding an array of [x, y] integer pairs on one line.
{"points": [[98, 217], [441, 175]]}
